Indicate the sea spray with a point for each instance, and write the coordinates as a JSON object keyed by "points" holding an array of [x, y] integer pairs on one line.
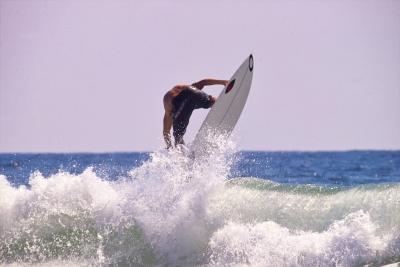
{"points": [[170, 195]]}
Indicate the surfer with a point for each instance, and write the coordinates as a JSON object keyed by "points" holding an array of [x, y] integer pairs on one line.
{"points": [[179, 103]]}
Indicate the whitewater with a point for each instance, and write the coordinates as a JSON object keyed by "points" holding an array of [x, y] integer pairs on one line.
{"points": [[172, 211]]}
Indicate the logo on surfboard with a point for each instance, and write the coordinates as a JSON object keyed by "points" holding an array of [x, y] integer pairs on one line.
{"points": [[229, 86], [251, 63]]}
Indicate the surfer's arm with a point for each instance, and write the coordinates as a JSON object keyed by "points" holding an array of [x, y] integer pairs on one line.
{"points": [[206, 82], [167, 125], [167, 121]]}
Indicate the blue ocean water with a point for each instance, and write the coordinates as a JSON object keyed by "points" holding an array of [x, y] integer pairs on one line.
{"points": [[229, 209], [321, 168]]}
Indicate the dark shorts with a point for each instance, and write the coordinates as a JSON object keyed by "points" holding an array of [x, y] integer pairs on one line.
{"points": [[183, 106]]}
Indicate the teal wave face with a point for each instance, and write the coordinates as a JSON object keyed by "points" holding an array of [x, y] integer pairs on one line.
{"points": [[264, 184], [92, 244], [308, 207]]}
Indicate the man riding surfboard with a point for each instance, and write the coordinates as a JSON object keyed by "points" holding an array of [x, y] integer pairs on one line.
{"points": [[179, 103]]}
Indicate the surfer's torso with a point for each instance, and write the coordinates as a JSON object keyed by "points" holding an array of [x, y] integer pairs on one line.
{"points": [[179, 103], [184, 100]]}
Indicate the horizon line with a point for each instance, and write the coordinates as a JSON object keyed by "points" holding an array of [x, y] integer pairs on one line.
{"points": [[241, 150]]}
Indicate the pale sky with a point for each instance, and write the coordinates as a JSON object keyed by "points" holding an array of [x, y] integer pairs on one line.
{"points": [[90, 75]]}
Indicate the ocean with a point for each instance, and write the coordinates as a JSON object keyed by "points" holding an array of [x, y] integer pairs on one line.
{"points": [[227, 209]]}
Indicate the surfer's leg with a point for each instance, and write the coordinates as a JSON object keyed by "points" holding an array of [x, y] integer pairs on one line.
{"points": [[179, 141], [180, 130]]}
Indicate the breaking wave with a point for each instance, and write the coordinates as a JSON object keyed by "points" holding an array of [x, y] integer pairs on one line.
{"points": [[176, 211]]}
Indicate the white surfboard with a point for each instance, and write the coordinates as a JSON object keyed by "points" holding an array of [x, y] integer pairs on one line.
{"points": [[225, 112]]}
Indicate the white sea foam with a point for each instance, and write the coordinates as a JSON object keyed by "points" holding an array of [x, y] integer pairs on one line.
{"points": [[174, 211], [349, 242]]}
